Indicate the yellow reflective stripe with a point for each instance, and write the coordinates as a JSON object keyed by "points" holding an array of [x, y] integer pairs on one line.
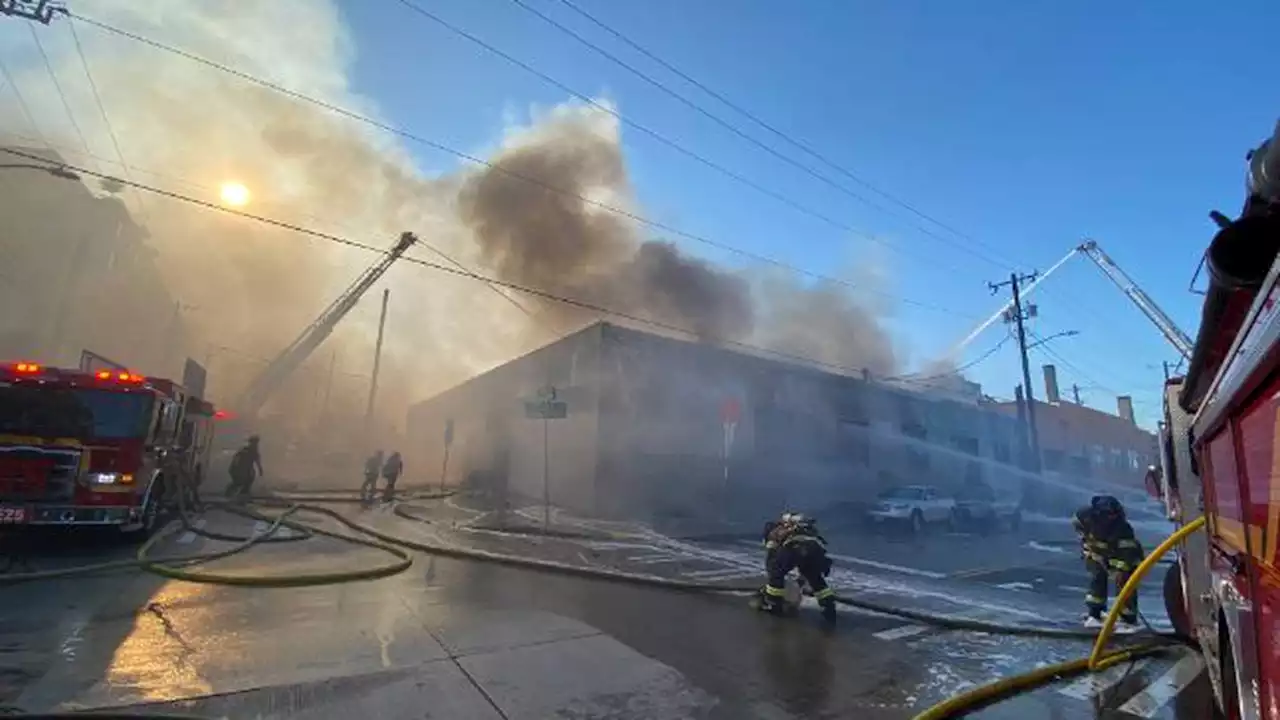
{"points": [[775, 591], [1094, 600], [1127, 544], [770, 545], [824, 593]]}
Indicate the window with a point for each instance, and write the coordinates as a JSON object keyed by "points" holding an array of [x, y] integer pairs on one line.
{"points": [[965, 444], [1053, 460], [80, 413], [915, 430], [917, 460]]}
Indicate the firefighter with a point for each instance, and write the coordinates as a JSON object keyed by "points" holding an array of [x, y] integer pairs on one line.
{"points": [[372, 466], [244, 463], [391, 471], [1109, 548], [794, 543]]}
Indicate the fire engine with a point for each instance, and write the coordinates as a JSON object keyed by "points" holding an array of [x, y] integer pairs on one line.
{"points": [[1220, 457], [104, 447]]}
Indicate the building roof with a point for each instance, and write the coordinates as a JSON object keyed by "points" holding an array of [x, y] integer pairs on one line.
{"points": [[1083, 425]]}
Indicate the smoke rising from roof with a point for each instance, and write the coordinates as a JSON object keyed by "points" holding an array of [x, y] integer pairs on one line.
{"points": [[244, 290]]}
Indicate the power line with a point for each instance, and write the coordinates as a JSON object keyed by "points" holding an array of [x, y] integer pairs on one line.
{"points": [[790, 160], [656, 225], [102, 108], [58, 87], [22, 102], [701, 159], [458, 272], [956, 371], [794, 142]]}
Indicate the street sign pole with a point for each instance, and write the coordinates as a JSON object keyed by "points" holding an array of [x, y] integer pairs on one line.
{"points": [[448, 441], [729, 413], [546, 483]]}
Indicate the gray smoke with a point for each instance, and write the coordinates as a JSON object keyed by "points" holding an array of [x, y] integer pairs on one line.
{"points": [[535, 224]]}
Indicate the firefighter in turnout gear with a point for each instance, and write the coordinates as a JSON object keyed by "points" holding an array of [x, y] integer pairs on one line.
{"points": [[1109, 548], [794, 543]]}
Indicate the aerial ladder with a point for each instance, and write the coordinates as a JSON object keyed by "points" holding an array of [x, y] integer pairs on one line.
{"points": [[284, 364], [1089, 248], [1158, 317]]}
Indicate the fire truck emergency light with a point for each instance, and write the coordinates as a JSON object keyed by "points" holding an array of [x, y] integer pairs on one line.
{"points": [[119, 377], [27, 368]]}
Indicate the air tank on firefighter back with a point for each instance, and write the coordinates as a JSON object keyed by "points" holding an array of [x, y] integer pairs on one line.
{"points": [[1237, 260]]}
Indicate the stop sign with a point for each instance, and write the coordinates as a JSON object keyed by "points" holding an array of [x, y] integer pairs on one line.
{"points": [[730, 410]]}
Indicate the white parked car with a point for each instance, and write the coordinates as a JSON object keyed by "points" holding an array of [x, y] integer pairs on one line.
{"points": [[915, 506]]}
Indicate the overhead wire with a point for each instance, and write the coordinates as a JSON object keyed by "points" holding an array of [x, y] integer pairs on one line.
{"points": [[57, 86], [663, 139], [789, 139], [499, 168], [995, 258], [22, 102], [456, 271], [955, 371], [102, 108], [738, 132]]}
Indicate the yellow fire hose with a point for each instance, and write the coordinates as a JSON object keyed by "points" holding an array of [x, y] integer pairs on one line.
{"points": [[1096, 661]]}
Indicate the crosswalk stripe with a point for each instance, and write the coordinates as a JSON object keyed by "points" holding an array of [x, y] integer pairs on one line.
{"points": [[1089, 686], [1148, 702], [723, 572], [898, 633]]}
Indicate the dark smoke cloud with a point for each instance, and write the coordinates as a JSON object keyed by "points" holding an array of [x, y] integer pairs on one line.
{"points": [[534, 225]]}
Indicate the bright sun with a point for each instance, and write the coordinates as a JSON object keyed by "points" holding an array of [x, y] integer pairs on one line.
{"points": [[233, 193]]}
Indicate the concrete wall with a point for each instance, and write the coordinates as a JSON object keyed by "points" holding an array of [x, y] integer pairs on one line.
{"points": [[496, 448], [645, 438]]}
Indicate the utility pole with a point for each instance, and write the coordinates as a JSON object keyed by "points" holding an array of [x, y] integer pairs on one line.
{"points": [[40, 11], [1075, 390], [1016, 316], [377, 361]]}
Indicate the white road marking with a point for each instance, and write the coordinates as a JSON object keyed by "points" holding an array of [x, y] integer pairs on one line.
{"points": [[887, 566], [654, 559], [188, 536], [1086, 688], [898, 633], [1016, 586], [722, 573], [1148, 702], [1073, 588]]}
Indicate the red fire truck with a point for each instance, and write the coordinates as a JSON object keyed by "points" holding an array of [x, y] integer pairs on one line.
{"points": [[103, 447], [1220, 457]]}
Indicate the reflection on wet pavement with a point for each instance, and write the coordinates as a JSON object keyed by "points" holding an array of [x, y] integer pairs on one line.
{"points": [[468, 640]]}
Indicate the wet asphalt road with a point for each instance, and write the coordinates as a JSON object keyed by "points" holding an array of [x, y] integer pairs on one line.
{"points": [[459, 639]]}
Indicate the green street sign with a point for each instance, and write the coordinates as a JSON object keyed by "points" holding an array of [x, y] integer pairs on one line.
{"points": [[546, 410]]}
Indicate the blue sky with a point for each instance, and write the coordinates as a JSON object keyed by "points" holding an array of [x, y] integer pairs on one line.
{"points": [[1025, 126]]}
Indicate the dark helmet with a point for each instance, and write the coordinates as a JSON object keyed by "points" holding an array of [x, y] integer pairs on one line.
{"points": [[1107, 506]]}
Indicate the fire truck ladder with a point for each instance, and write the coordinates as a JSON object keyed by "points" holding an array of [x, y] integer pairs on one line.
{"points": [[284, 364], [1090, 249], [1158, 317]]}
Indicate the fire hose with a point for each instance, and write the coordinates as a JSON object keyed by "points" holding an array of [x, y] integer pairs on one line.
{"points": [[178, 568], [1097, 660]]}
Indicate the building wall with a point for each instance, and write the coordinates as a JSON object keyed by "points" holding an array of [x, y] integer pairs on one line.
{"points": [[646, 437], [496, 448], [1081, 442]]}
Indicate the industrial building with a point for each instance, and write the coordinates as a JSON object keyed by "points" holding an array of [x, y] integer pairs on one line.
{"points": [[1088, 444], [661, 429]]}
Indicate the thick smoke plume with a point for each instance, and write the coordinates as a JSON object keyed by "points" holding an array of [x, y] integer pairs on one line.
{"points": [[231, 292], [535, 223]]}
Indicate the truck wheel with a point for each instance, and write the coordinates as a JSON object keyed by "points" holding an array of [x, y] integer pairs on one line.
{"points": [[1175, 603], [152, 513]]}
